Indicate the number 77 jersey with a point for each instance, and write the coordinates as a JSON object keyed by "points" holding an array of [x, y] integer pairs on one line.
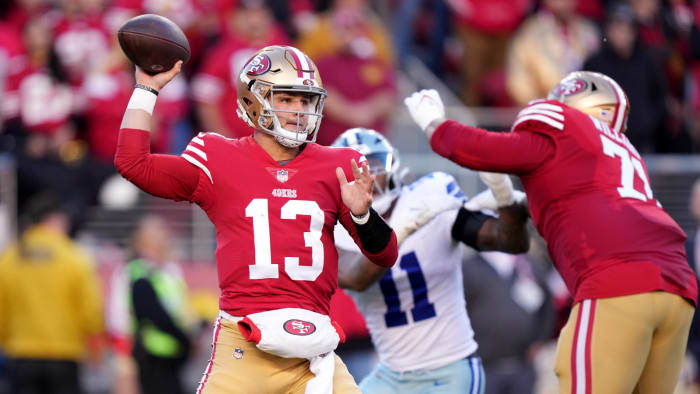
{"points": [[593, 203]]}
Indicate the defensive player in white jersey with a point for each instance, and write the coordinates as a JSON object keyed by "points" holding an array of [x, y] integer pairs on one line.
{"points": [[416, 311]]}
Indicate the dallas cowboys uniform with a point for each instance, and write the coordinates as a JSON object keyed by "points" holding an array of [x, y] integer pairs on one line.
{"points": [[417, 313]]}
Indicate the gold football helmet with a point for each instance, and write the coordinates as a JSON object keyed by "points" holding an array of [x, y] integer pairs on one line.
{"points": [[276, 69], [595, 94]]}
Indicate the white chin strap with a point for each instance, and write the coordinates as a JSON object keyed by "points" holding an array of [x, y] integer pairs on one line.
{"points": [[287, 138], [288, 142]]}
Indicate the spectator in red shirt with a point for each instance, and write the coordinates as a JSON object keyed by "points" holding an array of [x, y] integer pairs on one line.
{"points": [[38, 95], [361, 84], [80, 39], [250, 26], [198, 19], [107, 89], [12, 60], [21, 11], [485, 28]]}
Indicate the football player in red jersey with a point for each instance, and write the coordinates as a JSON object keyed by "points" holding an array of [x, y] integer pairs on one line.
{"points": [[620, 254], [274, 198]]}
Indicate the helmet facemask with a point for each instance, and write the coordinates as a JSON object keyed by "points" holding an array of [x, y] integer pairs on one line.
{"points": [[384, 165], [383, 161], [307, 122]]}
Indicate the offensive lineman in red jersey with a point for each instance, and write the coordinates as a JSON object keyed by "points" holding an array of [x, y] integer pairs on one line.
{"points": [[274, 198], [620, 254]]}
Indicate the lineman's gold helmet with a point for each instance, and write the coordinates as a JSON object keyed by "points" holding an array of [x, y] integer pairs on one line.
{"points": [[595, 94]]}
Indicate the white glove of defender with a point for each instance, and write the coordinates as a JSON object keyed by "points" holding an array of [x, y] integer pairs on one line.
{"points": [[405, 225], [425, 106], [406, 219], [486, 201]]}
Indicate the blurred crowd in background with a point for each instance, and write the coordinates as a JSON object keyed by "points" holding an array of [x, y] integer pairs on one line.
{"points": [[65, 81], [64, 85]]}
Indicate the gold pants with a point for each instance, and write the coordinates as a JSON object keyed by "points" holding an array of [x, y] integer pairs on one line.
{"points": [[622, 345], [237, 366]]}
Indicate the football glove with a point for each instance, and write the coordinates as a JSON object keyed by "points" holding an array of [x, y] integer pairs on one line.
{"points": [[486, 201], [425, 107], [407, 218], [500, 185]]}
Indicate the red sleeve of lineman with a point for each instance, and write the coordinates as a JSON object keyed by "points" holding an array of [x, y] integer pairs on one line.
{"points": [[166, 176], [478, 149], [385, 257]]}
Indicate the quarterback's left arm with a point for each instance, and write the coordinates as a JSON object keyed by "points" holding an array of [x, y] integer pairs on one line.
{"points": [[369, 231], [374, 237]]}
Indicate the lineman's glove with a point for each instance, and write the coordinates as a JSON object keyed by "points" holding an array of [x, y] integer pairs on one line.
{"points": [[425, 107]]}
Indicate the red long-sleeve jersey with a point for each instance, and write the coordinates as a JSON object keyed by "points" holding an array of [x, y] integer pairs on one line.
{"points": [[274, 223], [589, 196]]}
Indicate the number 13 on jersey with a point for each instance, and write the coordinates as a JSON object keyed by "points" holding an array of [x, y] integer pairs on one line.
{"points": [[263, 267]]}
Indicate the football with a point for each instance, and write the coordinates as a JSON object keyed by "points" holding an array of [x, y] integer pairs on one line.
{"points": [[154, 43]]}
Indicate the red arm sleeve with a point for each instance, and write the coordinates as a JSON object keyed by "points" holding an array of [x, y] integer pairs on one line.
{"points": [[514, 153], [385, 257], [166, 176]]}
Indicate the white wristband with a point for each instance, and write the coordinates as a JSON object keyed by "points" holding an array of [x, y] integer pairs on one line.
{"points": [[142, 99], [364, 218]]}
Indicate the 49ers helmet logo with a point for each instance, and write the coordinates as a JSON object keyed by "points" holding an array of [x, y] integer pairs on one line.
{"points": [[569, 87], [299, 327], [259, 65]]}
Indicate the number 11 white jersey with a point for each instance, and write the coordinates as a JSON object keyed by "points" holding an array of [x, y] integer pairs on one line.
{"points": [[416, 313]]}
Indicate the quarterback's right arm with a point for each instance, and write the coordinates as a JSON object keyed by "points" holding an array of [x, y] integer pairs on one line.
{"points": [[164, 176]]}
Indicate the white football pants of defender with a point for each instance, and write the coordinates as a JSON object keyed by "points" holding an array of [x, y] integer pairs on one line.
{"points": [[465, 376]]}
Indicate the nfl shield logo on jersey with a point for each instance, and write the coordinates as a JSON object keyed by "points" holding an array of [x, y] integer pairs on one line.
{"points": [[238, 353], [282, 175]]}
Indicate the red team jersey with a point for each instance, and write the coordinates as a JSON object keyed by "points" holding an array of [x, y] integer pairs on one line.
{"points": [[589, 196], [274, 223]]}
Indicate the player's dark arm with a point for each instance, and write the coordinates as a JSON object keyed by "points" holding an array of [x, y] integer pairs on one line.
{"points": [[359, 273], [164, 176], [507, 233], [514, 153]]}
